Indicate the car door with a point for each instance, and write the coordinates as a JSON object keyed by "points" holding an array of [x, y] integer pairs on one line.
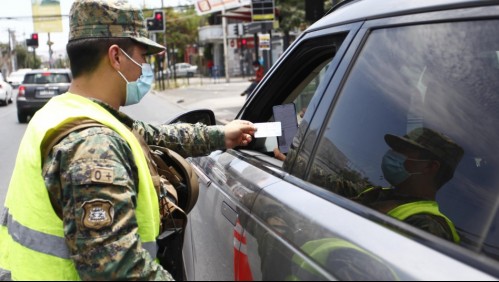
{"points": [[400, 74], [218, 245]]}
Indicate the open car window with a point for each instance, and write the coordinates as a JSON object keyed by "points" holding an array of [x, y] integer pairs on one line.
{"points": [[304, 73]]}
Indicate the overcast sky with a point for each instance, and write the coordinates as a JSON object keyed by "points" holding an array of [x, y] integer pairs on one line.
{"points": [[21, 22]]}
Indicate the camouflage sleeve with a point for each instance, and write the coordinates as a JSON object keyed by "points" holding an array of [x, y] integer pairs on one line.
{"points": [[433, 224], [92, 181], [189, 140]]}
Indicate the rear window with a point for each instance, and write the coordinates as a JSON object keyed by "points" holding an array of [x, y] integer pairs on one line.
{"points": [[46, 77]]}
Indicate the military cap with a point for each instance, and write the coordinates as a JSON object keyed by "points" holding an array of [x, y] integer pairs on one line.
{"points": [[438, 144], [107, 19]]}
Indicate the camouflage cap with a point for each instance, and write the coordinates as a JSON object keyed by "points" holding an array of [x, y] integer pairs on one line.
{"points": [[109, 18], [436, 143]]}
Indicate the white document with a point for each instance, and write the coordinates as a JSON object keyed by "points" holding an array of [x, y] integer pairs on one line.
{"points": [[267, 129]]}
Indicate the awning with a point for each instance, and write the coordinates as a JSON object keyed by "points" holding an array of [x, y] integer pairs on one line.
{"points": [[243, 14]]}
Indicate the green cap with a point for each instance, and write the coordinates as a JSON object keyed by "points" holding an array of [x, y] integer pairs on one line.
{"points": [[436, 143], [107, 19]]}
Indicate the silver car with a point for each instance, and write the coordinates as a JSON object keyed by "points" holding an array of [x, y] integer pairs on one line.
{"points": [[367, 70]]}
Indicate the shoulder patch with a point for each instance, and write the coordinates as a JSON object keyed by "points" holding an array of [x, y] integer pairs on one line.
{"points": [[97, 214], [102, 175]]}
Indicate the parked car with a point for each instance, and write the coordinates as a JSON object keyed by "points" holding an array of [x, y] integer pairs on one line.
{"points": [[184, 70], [5, 91], [38, 87], [16, 78], [367, 69]]}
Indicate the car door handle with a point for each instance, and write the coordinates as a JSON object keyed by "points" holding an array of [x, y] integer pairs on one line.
{"points": [[229, 213]]}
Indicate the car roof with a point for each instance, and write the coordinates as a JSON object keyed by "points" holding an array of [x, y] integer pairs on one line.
{"points": [[358, 10], [49, 70]]}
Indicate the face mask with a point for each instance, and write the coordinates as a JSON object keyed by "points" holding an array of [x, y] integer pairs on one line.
{"points": [[393, 167], [136, 90], [255, 68]]}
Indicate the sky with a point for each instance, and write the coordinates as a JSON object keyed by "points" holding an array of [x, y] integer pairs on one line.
{"points": [[22, 25]]}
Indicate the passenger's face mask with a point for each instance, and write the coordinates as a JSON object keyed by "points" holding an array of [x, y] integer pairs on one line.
{"points": [[136, 90], [255, 68], [393, 167]]}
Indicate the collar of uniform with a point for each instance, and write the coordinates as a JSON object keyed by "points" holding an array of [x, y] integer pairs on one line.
{"points": [[128, 121]]}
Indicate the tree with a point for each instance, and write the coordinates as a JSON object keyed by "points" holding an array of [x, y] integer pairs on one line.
{"points": [[25, 58], [292, 16]]}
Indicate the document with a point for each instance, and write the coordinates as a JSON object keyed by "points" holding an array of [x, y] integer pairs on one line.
{"points": [[267, 129]]}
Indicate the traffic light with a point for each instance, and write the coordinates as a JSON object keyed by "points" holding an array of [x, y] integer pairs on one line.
{"points": [[244, 43], [33, 41], [245, 29], [157, 22], [236, 30]]}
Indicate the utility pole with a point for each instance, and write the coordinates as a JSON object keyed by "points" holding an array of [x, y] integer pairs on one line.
{"points": [[226, 56], [50, 43], [165, 57], [12, 61]]}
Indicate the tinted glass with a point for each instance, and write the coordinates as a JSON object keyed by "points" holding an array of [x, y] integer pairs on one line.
{"points": [[443, 77], [43, 78]]}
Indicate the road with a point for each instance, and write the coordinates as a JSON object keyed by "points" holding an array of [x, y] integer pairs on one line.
{"points": [[156, 107]]}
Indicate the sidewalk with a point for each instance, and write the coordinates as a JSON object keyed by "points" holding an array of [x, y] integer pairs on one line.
{"points": [[220, 96]]}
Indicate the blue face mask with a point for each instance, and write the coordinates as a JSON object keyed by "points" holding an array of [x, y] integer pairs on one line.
{"points": [[393, 167], [136, 90]]}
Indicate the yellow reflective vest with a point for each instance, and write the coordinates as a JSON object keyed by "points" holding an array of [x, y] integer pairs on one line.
{"points": [[32, 244]]}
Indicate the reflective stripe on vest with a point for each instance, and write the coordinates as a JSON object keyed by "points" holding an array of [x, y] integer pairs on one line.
{"points": [[422, 207], [34, 247]]}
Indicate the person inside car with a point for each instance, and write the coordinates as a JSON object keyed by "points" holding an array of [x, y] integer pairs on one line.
{"points": [[417, 165]]}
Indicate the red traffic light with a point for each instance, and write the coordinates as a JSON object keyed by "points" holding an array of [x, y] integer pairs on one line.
{"points": [[158, 16], [244, 41], [34, 36]]}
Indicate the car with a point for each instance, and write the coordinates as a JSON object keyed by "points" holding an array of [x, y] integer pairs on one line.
{"points": [[184, 70], [5, 91], [38, 87], [15, 78], [366, 70]]}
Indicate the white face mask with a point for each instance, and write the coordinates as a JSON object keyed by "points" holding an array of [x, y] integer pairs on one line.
{"points": [[255, 68], [136, 90]]}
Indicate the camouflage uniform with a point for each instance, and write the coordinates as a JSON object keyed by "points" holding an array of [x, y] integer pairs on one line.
{"points": [[114, 252]]}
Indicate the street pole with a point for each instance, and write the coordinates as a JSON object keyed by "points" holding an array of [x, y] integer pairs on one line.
{"points": [[165, 57], [13, 68], [226, 56], [49, 43]]}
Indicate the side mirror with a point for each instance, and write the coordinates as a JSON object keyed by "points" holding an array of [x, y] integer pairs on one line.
{"points": [[204, 116]]}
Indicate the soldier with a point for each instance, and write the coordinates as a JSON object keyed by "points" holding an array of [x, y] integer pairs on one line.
{"points": [[89, 208], [417, 165]]}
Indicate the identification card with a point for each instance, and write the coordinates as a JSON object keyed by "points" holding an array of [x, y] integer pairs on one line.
{"points": [[268, 129]]}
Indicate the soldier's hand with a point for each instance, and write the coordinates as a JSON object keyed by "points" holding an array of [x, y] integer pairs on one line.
{"points": [[238, 133]]}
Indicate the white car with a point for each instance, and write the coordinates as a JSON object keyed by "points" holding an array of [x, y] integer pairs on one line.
{"points": [[16, 78], [5, 91], [185, 69]]}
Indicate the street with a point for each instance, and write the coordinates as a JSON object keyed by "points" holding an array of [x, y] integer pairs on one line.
{"points": [[156, 107]]}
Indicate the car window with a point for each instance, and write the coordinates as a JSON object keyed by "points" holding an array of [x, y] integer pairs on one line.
{"points": [[408, 78], [43, 78], [297, 81]]}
